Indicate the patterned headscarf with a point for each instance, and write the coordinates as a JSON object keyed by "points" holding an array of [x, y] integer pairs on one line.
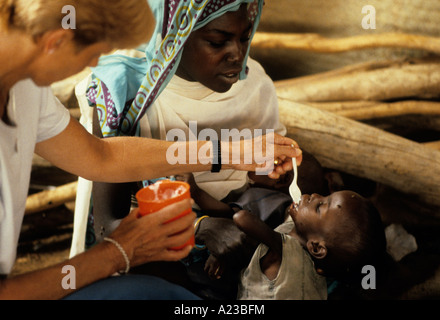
{"points": [[123, 88]]}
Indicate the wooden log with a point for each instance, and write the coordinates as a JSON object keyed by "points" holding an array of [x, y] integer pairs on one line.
{"points": [[433, 144], [364, 110], [393, 80], [364, 151], [346, 70], [316, 43], [406, 124], [51, 198]]}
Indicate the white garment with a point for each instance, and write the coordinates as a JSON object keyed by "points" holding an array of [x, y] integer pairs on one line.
{"points": [[296, 278], [37, 115], [84, 189], [250, 104]]}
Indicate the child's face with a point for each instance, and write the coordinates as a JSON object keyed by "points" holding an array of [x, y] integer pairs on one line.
{"points": [[326, 216]]}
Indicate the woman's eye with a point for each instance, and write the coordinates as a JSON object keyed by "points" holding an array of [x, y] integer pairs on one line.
{"points": [[247, 39], [215, 44]]}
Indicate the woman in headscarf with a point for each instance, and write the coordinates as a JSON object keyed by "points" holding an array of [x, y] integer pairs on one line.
{"points": [[196, 74]]}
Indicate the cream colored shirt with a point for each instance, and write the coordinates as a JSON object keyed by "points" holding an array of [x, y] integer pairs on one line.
{"points": [[296, 279]]}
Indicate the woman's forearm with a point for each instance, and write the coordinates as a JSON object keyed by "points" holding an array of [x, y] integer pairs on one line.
{"points": [[141, 158], [124, 159], [117, 159]]}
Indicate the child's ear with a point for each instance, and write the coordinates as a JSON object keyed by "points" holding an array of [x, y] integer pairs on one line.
{"points": [[317, 248]]}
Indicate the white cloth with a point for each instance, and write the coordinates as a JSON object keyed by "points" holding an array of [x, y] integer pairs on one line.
{"points": [[84, 189], [36, 115], [250, 104], [296, 278]]}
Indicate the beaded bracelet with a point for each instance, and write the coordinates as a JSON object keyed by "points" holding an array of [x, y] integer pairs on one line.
{"points": [[127, 261]]}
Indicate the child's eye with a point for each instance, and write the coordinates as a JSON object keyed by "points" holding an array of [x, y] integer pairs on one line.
{"points": [[318, 207]]}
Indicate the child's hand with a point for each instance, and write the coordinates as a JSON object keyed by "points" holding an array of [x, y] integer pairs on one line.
{"points": [[188, 178], [185, 177], [213, 267]]}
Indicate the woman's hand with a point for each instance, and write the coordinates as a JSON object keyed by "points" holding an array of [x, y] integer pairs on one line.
{"points": [[149, 238], [270, 154]]}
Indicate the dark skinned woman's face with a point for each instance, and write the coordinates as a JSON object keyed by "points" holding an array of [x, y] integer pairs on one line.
{"points": [[214, 54]]}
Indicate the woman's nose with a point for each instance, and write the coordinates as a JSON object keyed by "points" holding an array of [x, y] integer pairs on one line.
{"points": [[236, 52]]}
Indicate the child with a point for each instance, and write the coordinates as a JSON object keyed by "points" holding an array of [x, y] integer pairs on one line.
{"points": [[322, 240], [326, 236]]}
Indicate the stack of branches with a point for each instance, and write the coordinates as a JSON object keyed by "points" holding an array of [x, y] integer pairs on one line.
{"points": [[328, 113]]}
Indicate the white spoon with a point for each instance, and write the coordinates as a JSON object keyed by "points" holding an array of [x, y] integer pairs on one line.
{"points": [[294, 190]]}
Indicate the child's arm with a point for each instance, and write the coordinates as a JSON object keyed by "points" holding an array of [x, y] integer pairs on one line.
{"points": [[260, 231], [209, 205], [257, 229]]}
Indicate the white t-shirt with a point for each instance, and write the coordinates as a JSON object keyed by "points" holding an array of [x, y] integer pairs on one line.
{"points": [[36, 115]]}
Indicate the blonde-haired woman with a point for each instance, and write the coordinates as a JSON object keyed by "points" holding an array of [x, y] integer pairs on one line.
{"points": [[35, 51]]}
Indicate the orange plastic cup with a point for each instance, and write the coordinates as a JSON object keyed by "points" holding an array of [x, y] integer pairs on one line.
{"points": [[161, 194]]}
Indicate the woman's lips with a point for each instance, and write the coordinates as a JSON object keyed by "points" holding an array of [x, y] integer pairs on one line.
{"points": [[230, 78]]}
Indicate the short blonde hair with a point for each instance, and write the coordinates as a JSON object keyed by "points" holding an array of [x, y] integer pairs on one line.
{"points": [[121, 23]]}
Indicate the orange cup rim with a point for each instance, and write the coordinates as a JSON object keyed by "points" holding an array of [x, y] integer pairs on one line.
{"points": [[162, 182]]}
